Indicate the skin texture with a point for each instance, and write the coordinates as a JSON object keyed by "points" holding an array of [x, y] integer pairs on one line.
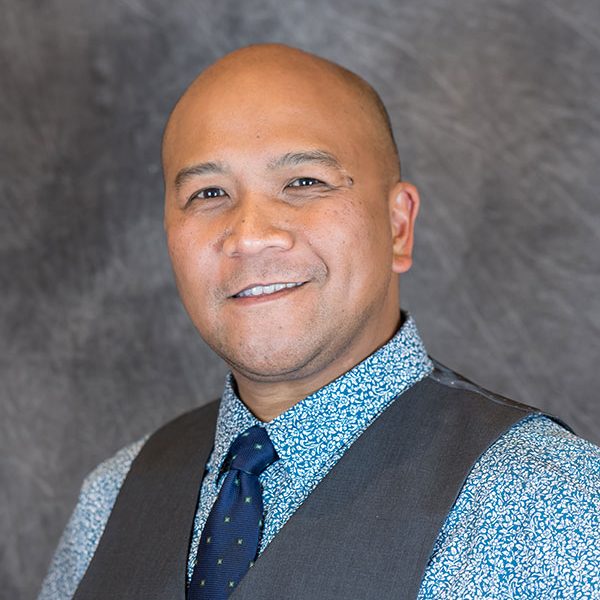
{"points": [[279, 167]]}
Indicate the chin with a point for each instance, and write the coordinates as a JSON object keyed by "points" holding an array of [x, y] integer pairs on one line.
{"points": [[269, 364]]}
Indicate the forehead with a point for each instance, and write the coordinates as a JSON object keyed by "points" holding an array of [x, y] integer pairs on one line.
{"points": [[253, 113]]}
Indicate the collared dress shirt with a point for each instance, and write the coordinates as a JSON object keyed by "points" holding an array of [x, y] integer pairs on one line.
{"points": [[525, 525]]}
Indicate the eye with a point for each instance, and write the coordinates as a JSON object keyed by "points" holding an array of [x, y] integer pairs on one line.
{"points": [[305, 182], [208, 193]]}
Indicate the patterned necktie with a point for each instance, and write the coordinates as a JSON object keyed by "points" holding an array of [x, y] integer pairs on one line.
{"points": [[229, 542]]}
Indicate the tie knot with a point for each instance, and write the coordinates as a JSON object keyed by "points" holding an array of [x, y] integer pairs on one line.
{"points": [[251, 452]]}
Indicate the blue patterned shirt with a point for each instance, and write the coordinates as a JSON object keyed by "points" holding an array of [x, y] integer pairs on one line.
{"points": [[526, 524]]}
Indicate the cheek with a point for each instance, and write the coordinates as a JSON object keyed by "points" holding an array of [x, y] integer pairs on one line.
{"points": [[353, 239], [189, 253]]}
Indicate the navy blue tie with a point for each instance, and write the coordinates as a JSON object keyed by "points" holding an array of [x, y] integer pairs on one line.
{"points": [[229, 542]]}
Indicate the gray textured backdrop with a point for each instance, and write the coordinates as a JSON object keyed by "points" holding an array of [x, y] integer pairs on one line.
{"points": [[497, 113]]}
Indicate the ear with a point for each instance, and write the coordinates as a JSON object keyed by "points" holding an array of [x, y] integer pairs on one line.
{"points": [[404, 206]]}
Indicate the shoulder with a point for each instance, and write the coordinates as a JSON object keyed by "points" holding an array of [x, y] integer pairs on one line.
{"points": [[98, 494], [538, 465], [80, 538], [545, 451], [527, 520], [533, 446], [106, 479], [456, 386]]}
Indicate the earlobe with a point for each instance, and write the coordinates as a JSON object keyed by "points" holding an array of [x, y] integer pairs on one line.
{"points": [[404, 206]]}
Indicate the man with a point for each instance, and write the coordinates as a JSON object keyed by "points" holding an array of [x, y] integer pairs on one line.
{"points": [[373, 472]]}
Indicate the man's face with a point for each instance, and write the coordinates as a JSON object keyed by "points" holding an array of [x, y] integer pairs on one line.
{"points": [[278, 224]]}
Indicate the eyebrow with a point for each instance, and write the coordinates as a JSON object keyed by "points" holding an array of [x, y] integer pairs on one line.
{"points": [[207, 168], [290, 159], [293, 159]]}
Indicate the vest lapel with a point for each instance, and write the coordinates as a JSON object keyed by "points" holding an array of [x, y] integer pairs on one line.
{"points": [[153, 516], [368, 529]]}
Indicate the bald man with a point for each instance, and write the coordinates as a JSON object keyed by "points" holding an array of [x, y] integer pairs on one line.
{"points": [[341, 461]]}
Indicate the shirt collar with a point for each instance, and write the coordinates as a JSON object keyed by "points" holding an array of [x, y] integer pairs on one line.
{"points": [[310, 434]]}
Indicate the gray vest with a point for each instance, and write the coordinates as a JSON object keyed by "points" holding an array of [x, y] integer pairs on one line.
{"points": [[365, 532]]}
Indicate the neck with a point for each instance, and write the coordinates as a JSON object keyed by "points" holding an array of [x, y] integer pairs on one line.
{"points": [[268, 399]]}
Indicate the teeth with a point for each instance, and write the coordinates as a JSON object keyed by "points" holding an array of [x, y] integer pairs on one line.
{"points": [[263, 290]]}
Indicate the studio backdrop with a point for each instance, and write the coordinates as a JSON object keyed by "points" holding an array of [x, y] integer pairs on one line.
{"points": [[496, 113]]}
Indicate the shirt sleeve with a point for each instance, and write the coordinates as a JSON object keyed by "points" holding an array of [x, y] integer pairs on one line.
{"points": [[86, 525], [526, 524]]}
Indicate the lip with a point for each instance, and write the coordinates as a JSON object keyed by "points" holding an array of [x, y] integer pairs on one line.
{"points": [[266, 297]]}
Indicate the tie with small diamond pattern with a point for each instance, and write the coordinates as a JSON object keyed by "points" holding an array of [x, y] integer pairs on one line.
{"points": [[229, 542]]}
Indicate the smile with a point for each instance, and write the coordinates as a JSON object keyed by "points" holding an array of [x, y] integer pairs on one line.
{"points": [[265, 290]]}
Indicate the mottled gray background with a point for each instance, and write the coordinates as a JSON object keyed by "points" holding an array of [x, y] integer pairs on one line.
{"points": [[497, 113]]}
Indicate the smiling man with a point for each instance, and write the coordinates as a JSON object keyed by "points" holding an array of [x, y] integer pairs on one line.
{"points": [[286, 176], [341, 461]]}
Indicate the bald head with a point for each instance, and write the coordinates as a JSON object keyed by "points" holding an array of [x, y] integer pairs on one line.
{"points": [[265, 75]]}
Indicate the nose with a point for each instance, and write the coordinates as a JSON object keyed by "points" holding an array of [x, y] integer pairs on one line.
{"points": [[255, 225]]}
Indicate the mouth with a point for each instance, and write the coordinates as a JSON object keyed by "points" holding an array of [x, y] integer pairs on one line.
{"points": [[254, 291]]}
